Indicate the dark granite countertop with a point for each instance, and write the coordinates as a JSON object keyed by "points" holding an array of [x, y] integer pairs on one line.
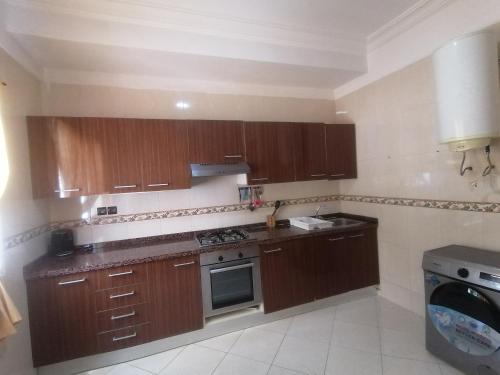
{"points": [[141, 250]]}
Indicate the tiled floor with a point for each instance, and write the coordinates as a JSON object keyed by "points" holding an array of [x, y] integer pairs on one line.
{"points": [[370, 336]]}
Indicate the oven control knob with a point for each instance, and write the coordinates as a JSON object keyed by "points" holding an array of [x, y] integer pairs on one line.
{"points": [[463, 272], [240, 255], [221, 258]]}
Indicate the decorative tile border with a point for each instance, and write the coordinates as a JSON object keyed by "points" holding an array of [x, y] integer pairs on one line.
{"points": [[30, 234]]}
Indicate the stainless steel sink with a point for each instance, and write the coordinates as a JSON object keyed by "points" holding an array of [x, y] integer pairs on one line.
{"points": [[342, 222]]}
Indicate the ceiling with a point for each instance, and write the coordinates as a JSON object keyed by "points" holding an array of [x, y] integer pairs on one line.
{"points": [[308, 48]]}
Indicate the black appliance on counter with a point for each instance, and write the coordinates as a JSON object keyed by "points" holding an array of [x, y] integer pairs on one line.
{"points": [[61, 243]]}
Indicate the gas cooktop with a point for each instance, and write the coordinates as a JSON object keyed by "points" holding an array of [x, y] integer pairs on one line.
{"points": [[220, 237]]}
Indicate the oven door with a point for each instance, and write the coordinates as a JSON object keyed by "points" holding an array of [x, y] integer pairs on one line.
{"points": [[231, 286]]}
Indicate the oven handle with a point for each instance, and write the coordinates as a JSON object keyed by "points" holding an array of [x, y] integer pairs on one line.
{"points": [[232, 268]]}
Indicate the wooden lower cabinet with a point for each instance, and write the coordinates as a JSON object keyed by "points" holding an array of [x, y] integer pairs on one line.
{"points": [[99, 311], [302, 270], [286, 273], [175, 289]]}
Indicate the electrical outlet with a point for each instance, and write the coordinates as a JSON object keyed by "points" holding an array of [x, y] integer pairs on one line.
{"points": [[112, 210], [102, 211]]}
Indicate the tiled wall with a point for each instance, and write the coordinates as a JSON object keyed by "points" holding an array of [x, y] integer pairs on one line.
{"points": [[73, 100], [18, 211], [399, 156]]}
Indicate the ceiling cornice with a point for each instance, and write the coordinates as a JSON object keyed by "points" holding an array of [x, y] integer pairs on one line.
{"points": [[406, 20], [204, 23]]}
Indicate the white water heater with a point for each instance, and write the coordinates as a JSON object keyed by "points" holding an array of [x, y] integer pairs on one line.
{"points": [[466, 72]]}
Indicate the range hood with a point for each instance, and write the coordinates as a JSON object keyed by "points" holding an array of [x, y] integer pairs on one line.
{"points": [[207, 170]]}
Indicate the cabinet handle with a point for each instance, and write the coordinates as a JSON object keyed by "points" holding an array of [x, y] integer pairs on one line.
{"points": [[121, 273], [124, 186], [273, 250], [116, 317], [67, 190], [318, 175], [72, 282], [337, 175], [184, 264], [336, 239], [233, 156], [357, 235], [260, 179], [125, 337], [158, 185], [113, 296]]}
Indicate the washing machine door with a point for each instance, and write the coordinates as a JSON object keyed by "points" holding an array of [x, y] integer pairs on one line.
{"points": [[467, 318]]}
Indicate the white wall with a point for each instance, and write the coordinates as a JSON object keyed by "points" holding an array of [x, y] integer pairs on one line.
{"points": [[18, 211]]}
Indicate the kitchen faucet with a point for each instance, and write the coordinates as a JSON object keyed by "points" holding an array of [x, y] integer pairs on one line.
{"points": [[317, 210]]}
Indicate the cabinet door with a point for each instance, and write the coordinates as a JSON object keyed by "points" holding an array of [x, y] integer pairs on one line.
{"points": [[270, 152], [331, 265], [121, 149], [62, 318], [341, 151], [175, 296], [215, 141], [363, 265], [286, 273], [310, 152], [163, 154], [58, 161]]}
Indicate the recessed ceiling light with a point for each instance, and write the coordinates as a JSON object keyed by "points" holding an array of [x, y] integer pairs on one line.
{"points": [[182, 105], [342, 112]]}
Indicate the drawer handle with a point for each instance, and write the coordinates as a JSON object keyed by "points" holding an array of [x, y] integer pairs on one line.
{"points": [[273, 250], [117, 317], [158, 185], [318, 175], [233, 156], [337, 175], [67, 190], [124, 186], [357, 235], [114, 296], [121, 273], [260, 179], [125, 337], [336, 239], [72, 282], [184, 264]]}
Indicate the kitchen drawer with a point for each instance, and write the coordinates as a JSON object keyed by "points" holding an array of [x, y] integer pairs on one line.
{"points": [[122, 317], [121, 296], [123, 338], [120, 276]]}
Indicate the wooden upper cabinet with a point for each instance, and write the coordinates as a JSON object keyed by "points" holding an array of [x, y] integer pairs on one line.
{"points": [[164, 154], [215, 141], [341, 151], [270, 152], [310, 152], [57, 157]]}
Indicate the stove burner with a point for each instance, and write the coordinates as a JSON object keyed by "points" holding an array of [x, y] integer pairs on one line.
{"points": [[221, 237]]}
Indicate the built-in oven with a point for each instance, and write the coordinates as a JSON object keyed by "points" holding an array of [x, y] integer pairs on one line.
{"points": [[230, 280]]}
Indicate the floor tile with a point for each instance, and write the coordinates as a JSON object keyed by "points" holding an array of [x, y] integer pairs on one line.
{"points": [[342, 361], [279, 326], [392, 316], [405, 345], [364, 312], [398, 366], [258, 344], [194, 360], [223, 343], [125, 369], [99, 371], [315, 325], [275, 370], [302, 355], [157, 362], [233, 364], [356, 336], [448, 370]]}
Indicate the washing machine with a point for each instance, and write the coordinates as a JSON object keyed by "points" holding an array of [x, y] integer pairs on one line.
{"points": [[462, 296]]}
